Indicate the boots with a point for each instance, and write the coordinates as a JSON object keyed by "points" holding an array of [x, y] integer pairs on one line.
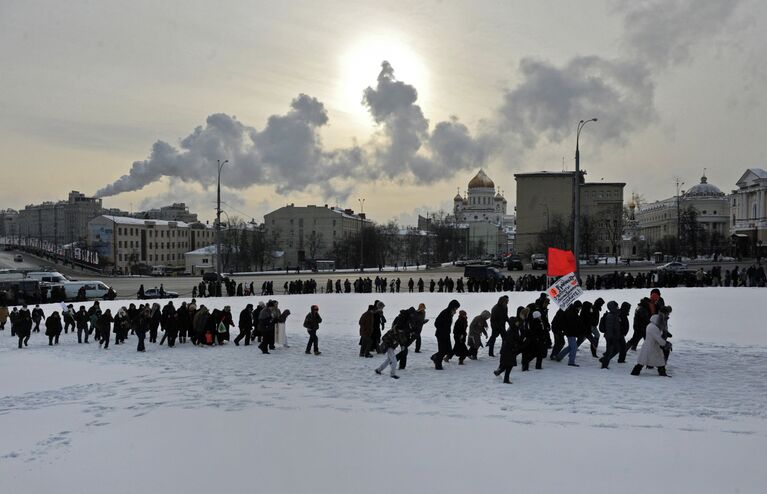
{"points": [[437, 361], [497, 372], [594, 351], [636, 370], [662, 371]]}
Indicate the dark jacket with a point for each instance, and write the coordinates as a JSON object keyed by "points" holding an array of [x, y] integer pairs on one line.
{"points": [[444, 321], [499, 315], [573, 327], [610, 324], [53, 326], [312, 321], [559, 323], [246, 319]]}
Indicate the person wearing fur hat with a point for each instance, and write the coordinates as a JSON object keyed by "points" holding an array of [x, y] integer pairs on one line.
{"points": [[534, 341], [443, 325], [477, 328], [651, 353], [459, 335]]}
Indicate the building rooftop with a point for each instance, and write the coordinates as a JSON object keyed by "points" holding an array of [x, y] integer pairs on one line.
{"points": [[124, 220]]}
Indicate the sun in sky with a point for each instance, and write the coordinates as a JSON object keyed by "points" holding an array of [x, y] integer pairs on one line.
{"points": [[360, 64]]}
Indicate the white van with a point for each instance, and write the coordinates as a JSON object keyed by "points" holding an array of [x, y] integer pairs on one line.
{"points": [[47, 276], [93, 289]]}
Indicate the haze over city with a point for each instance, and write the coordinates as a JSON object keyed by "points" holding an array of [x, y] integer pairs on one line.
{"points": [[399, 104]]}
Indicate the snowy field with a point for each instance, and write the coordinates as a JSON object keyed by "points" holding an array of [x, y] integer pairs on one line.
{"points": [[77, 419]]}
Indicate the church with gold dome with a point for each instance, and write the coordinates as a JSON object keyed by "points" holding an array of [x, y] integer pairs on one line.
{"points": [[483, 211]]}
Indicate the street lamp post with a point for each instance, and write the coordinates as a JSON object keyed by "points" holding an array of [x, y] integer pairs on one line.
{"points": [[577, 197], [679, 183], [218, 216], [362, 234]]}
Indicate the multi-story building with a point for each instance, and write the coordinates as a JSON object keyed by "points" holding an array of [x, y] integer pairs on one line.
{"points": [[62, 222], [662, 218], [748, 222], [177, 211], [9, 223], [544, 198], [126, 243], [310, 232]]}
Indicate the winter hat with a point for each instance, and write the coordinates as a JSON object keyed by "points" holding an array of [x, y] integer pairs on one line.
{"points": [[315, 307], [536, 315]]}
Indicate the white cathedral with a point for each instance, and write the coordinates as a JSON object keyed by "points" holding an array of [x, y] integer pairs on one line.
{"points": [[483, 212]]}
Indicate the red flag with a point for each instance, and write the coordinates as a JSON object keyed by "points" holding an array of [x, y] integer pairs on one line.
{"points": [[560, 262]]}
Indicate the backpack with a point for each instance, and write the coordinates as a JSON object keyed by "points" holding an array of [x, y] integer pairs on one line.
{"points": [[602, 324]]}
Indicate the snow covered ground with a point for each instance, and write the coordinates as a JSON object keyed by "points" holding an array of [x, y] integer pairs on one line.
{"points": [[74, 418]]}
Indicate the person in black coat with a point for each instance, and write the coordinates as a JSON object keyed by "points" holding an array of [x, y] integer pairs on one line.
{"points": [[558, 325], [154, 322], [81, 322], [245, 324], [460, 333], [53, 328], [610, 325], [534, 341], [23, 325], [642, 315], [37, 317], [498, 317], [511, 344], [104, 325], [169, 324], [443, 325], [141, 326]]}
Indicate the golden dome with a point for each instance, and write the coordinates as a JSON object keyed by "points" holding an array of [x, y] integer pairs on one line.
{"points": [[481, 181]]}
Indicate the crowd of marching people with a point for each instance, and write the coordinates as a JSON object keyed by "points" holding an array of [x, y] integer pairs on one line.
{"points": [[525, 337]]}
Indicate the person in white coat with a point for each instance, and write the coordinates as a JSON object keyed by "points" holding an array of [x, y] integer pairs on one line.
{"points": [[651, 354], [281, 336]]}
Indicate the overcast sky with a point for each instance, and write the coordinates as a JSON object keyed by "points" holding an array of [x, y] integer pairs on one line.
{"points": [[135, 101]]}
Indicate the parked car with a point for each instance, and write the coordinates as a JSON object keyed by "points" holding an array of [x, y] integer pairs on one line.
{"points": [[93, 289], [482, 272], [207, 277], [538, 261], [515, 262], [674, 267], [18, 258], [155, 293]]}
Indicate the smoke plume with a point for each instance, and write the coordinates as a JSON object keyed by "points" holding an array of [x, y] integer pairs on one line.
{"points": [[545, 105]]}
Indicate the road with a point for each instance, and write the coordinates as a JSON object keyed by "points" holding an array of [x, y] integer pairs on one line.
{"points": [[126, 287]]}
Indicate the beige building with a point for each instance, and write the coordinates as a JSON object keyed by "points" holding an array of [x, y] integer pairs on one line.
{"points": [[748, 222], [543, 198], [178, 211], [125, 243], [659, 219], [310, 232], [9, 223]]}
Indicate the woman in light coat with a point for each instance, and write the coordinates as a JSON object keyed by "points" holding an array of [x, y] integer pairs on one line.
{"points": [[651, 354]]}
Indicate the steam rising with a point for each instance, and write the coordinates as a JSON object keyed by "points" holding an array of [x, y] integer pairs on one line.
{"points": [[548, 100]]}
